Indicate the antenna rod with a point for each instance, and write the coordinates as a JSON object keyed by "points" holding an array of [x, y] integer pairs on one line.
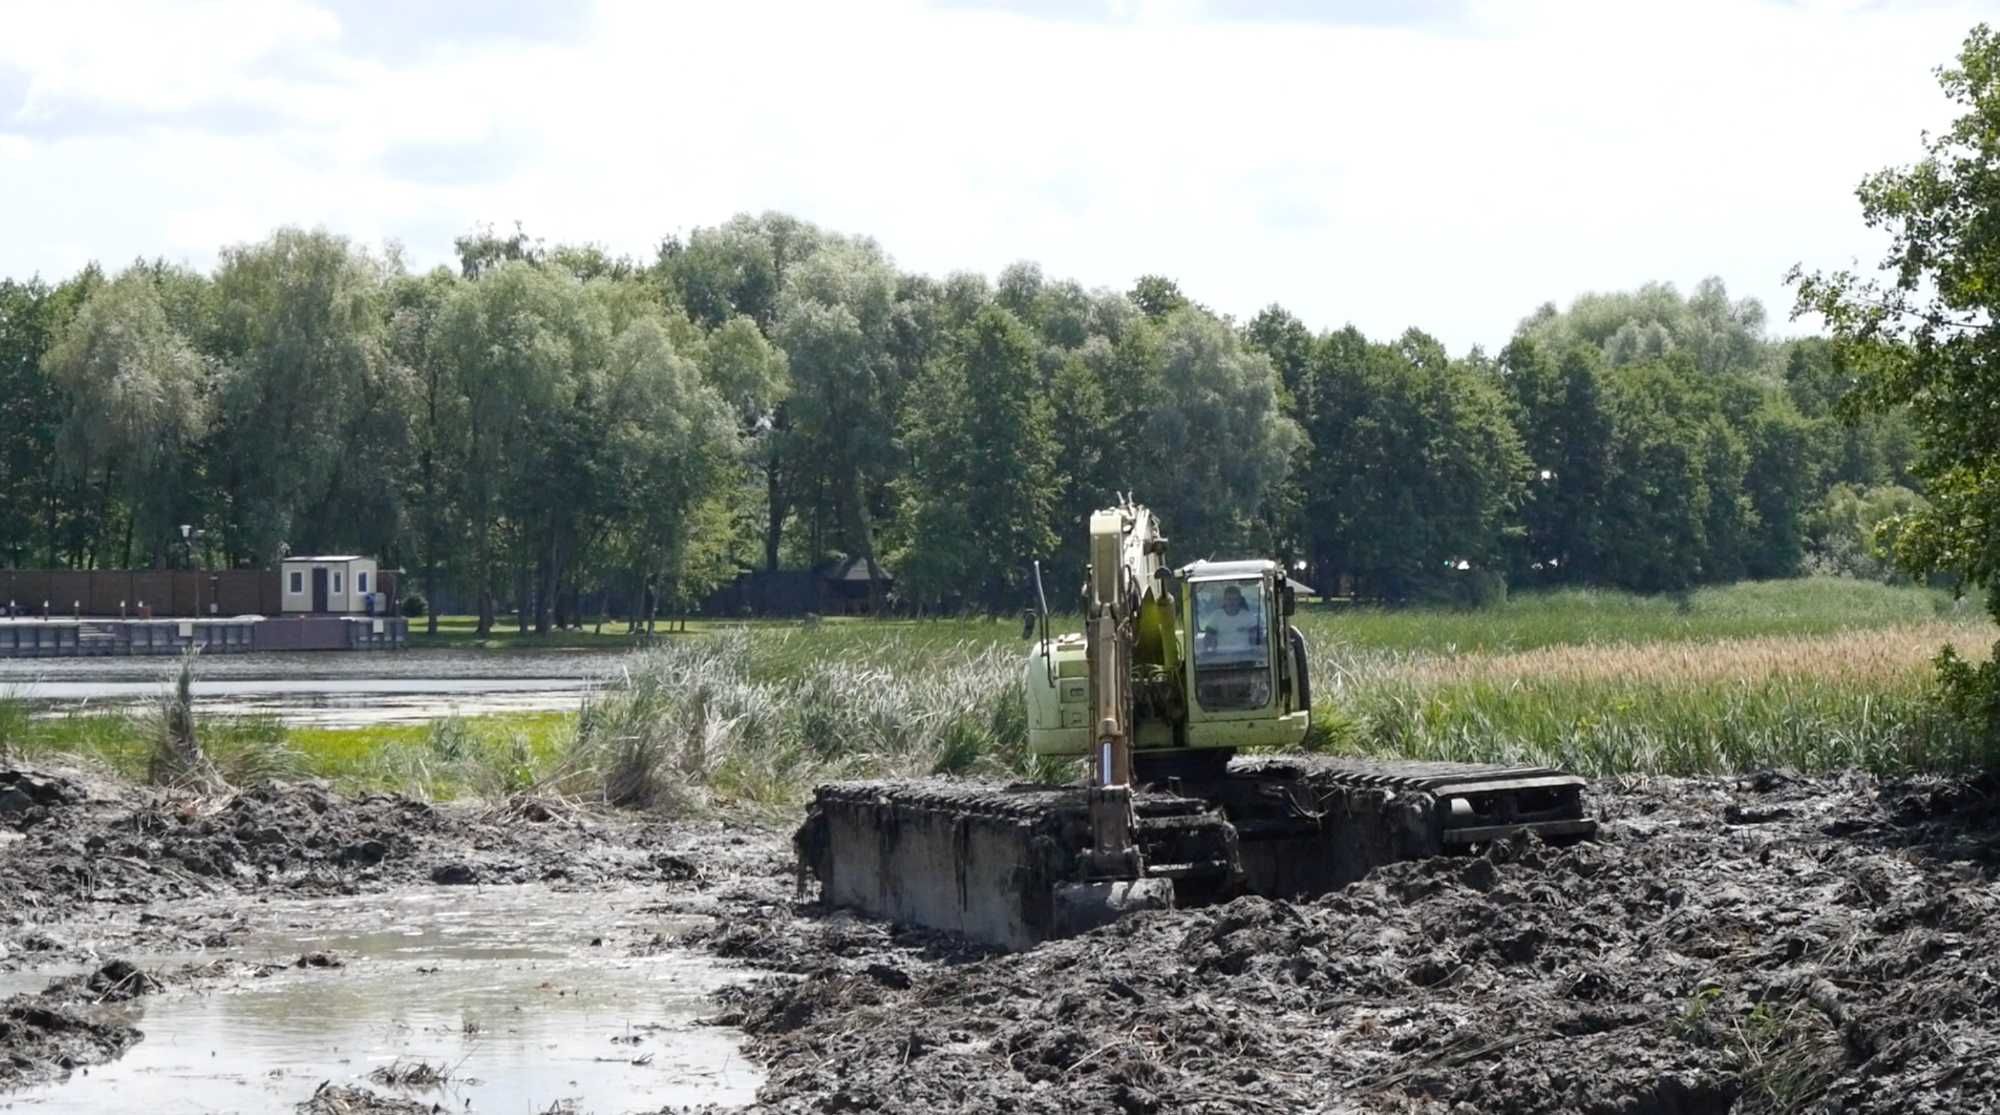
{"points": [[1047, 662]]}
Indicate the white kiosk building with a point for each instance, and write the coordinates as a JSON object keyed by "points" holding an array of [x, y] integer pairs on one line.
{"points": [[338, 584]]}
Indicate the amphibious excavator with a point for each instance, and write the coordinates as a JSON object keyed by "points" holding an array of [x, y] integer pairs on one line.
{"points": [[1175, 673]]}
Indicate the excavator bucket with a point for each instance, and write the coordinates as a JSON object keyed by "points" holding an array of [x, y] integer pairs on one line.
{"points": [[1010, 865]]}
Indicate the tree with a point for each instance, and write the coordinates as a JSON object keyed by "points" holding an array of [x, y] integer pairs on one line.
{"points": [[416, 342], [1781, 481], [483, 249], [1557, 405], [1157, 296], [1852, 533], [1019, 292], [1212, 443], [747, 370], [981, 489], [1079, 420], [508, 339], [1656, 495], [1654, 322], [1851, 444], [136, 399], [30, 419], [673, 444], [1287, 343], [1925, 337], [1729, 518], [741, 269], [312, 413], [1416, 470], [835, 323]]}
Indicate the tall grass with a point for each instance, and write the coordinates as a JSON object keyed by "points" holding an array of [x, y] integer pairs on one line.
{"points": [[1855, 698], [15, 720], [177, 760], [757, 718], [691, 727], [1640, 726]]}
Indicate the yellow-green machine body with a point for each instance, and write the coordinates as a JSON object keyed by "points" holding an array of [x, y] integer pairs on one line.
{"points": [[1193, 687], [1178, 680]]}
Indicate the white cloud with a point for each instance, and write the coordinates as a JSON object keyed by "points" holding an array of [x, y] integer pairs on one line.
{"points": [[154, 57], [1446, 175]]}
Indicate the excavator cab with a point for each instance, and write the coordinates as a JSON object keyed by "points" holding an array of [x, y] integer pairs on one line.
{"points": [[1215, 667], [1246, 666]]}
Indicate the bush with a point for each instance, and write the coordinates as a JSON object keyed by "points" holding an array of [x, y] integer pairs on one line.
{"points": [[415, 606], [1970, 693], [1853, 531]]}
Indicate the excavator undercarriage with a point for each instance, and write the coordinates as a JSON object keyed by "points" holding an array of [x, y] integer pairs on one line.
{"points": [[1009, 865]]}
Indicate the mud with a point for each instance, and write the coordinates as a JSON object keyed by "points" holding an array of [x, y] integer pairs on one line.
{"points": [[332, 1099], [1774, 944], [285, 937], [46, 1036], [1766, 944], [73, 1024], [93, 868]]}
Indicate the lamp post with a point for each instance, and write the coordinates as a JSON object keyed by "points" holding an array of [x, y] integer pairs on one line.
{"points": [[189, 536]]}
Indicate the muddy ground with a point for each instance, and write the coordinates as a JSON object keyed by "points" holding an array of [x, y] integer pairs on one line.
{"points": [[1768, 944]]}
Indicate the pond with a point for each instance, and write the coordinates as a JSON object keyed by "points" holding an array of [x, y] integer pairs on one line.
{"points": [[326, 689]]}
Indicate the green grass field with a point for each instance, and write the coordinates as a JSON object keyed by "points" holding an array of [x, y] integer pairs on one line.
{"points": [[483, 756], [1525, 621], [1813, 674], [1528, 620]]}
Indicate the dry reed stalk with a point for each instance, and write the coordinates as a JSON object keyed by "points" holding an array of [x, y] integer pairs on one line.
{"points": [[1870, 657]]}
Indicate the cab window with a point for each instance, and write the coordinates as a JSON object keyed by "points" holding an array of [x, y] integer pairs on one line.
{"points": [[1232, 653]]}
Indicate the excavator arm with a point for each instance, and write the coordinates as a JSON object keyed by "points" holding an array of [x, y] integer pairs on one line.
{"points": [[1125, 563]]}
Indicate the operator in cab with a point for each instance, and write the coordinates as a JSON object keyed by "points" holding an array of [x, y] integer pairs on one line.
{"points": [[1235, 626]]}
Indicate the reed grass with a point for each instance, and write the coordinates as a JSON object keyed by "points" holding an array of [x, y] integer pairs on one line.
{"points": [[177, 760], [1860, 698], [691, 727]]}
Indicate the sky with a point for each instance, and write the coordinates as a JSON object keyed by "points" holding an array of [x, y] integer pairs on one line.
{"points": [[1439, 164]]}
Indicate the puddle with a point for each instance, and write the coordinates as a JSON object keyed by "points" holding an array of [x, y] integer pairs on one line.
{"points": [[498, 985]]}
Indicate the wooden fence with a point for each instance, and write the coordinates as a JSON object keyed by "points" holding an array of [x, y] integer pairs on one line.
{"points": [[133, 592]]}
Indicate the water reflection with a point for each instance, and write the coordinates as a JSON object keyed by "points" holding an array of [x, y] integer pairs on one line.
{"points": [[327, 689], [494, 984]]}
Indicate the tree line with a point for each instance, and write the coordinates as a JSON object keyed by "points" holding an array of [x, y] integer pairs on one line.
{"points": [[544, 423]]}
